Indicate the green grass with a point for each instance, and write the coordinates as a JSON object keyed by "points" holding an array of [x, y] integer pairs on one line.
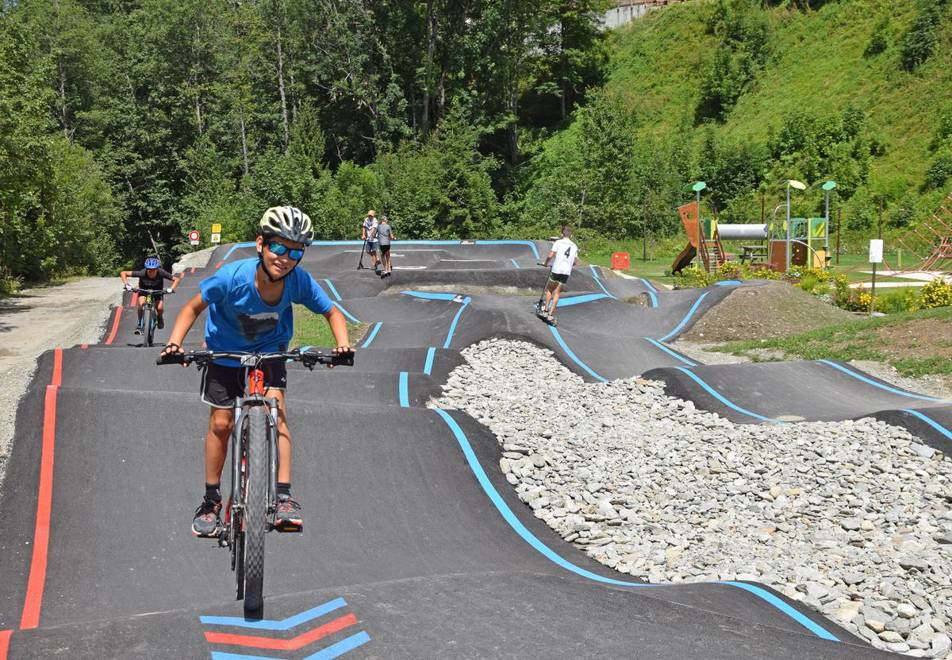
{"points": [[853, 340], [312, 329]]}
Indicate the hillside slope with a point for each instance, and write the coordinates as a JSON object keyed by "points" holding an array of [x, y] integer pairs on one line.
{"points": [[817, 66]]}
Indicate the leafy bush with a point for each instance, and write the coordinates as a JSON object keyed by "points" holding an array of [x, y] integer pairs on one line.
{"points": [[937, 293], [919, 41], [878, 41], [694, 277], [893, 301], [743, 49], [940, 169]]}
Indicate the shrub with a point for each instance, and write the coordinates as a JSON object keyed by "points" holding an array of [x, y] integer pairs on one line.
{"points": [[919, 41], [937, 293], [694, 277], [897, 300], [878, 41]]}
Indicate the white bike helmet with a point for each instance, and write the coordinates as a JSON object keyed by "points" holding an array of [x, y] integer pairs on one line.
{"points": [[288, 222]]}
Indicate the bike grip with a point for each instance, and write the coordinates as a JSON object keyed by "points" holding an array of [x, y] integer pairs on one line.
{"points": [[343, 360], [170, 358]]}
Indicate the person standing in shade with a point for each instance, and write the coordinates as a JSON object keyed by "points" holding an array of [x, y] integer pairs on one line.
{"points": [[384, 236], [563, 257], [368, 234]]}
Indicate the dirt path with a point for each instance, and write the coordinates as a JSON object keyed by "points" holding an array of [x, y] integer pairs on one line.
{"points": [[36, 320]]}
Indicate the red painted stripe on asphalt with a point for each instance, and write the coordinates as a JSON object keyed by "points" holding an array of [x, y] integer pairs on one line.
{"points": [[294, 644], [57, 379], [135, 300], [115, 325], [84, 346], [219, 264], [44, 503], [5, 636]]}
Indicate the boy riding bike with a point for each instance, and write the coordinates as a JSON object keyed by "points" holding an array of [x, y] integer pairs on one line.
{"points": [[151, 278], [249, 309]]}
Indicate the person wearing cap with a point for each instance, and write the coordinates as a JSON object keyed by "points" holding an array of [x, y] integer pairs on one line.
{"points": [[368, 234]]}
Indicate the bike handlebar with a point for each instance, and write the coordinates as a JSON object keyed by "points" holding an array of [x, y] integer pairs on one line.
{"points": [[152, 292], [307, 358]]}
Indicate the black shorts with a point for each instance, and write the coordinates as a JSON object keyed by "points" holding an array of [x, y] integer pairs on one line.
{"points": [[222, 385], [371, 246], [561, 278], [384, 249]]}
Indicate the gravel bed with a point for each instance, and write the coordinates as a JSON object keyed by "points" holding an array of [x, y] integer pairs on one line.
{"points": [[852, 518]]}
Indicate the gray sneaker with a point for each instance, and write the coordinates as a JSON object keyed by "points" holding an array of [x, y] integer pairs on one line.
{"points": [[288, 517], [207, 522]]}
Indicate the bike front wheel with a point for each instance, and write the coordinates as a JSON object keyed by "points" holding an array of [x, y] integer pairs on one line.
{"points": [[148, 326], [256, 506]]}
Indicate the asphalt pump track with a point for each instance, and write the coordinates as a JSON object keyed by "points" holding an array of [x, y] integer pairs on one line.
{"points": [[415, 545]]}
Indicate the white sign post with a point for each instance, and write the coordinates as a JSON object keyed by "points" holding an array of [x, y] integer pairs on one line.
{"points": [[194, 236], [875, 257]]}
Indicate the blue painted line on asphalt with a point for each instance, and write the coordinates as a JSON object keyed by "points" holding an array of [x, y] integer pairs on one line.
{"points": [[792, 612], [674, 354], [515, 263], [578, 300], [720, 397], [598, 281], [373, 333], [931, 422], [648, 284], [654, 298], [404, 390], [529, 244], [552, 556], [353, 319], [341, 647], [728, 283], [574, 357], [449, 335], [429, 295], [283, 624], [428, 365], [333, 289], [870, 381], [679, 326]]}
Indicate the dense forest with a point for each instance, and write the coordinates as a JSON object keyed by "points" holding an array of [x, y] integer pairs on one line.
{"points": [[123, 121]]}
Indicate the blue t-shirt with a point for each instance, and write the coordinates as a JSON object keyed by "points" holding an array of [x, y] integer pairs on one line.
{"points": [[239, 320]]}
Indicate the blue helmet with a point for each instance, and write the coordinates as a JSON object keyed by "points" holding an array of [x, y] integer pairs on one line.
{"points": [[152, 262]]}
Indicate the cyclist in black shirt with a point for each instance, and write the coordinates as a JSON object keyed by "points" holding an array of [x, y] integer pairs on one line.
{"points": [[152, 278]]}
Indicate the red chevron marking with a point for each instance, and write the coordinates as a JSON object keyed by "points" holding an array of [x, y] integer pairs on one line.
{"points": [[294, 644]]}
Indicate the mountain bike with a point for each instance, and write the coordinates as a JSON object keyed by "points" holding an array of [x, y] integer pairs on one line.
{"points": [[251, 506], [149, 313]]}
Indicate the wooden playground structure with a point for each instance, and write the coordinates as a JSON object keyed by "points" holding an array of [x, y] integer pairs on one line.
{"points": [[930, 241]]}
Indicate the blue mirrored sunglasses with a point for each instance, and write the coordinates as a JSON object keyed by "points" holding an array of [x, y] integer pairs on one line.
{"points": [[280, 250]]}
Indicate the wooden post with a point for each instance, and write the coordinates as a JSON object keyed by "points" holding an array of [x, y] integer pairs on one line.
{"points": [[839, 221]]}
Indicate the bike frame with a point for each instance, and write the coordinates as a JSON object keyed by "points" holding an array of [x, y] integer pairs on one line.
{"points": [[255, 390]]}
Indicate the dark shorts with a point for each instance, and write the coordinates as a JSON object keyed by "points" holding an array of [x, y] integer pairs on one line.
{"points": [[561, 278], [384, 249], [222, 385], [371, 246]]}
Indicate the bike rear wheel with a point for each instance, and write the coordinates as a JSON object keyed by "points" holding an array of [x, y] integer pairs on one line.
{"points": [[148, 325], [256, 506]]}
